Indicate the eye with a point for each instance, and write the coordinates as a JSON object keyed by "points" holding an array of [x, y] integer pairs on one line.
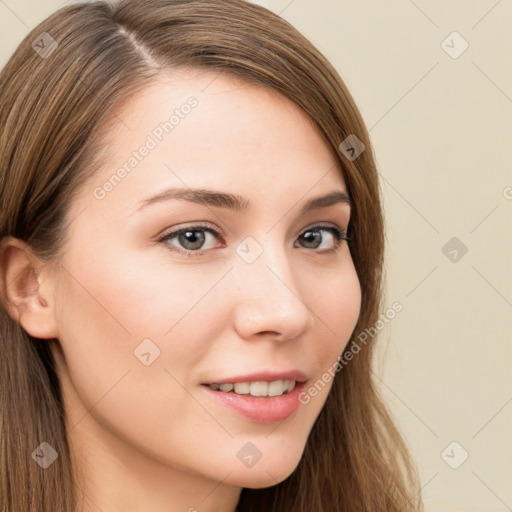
{"points": [[193, 238], [313, 238]]}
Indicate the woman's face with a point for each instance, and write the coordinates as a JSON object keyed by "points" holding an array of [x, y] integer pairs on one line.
{"points": [[145, 322]]}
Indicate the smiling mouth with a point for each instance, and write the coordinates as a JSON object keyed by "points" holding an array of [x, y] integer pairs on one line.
{"points": [[255, 388]]}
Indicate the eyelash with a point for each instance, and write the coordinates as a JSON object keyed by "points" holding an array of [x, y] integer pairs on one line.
{"points": [[339, 236]]}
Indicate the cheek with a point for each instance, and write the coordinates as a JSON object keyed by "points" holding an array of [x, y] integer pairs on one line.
{"points": [[336, 306], [104, 382], [141, 326]]}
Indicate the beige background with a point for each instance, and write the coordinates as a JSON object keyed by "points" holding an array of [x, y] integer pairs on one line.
{"points": [[442, 134]]}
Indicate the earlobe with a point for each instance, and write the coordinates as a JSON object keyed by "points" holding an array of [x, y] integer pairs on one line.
{"points": [[26, 289]]}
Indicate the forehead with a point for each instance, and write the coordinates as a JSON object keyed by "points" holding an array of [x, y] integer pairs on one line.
{"points": [[201, 128]]}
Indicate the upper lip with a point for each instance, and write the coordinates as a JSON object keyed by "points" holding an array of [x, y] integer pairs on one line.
{"points": [[266, 376]]}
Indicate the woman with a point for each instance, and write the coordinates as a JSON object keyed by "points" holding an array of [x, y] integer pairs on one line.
{"points": [[192, 240]]}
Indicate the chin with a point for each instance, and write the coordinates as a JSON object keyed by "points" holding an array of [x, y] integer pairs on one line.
{"points": [[263, 475]]}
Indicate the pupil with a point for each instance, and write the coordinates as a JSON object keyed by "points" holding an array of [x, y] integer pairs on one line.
{"points": [[191, 237], [310, 235]]}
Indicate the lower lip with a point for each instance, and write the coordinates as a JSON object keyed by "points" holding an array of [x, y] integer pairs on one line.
{"points": [[260, 409]]}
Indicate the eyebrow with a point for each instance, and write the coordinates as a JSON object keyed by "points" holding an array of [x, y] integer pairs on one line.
{"points": [[236, 202]]}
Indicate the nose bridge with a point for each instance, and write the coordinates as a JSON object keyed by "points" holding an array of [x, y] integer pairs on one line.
{"points": [[269, 298], [263, 265]]}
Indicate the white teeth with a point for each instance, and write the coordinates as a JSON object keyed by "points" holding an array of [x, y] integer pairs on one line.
{"points": [[260, 388], [276, 388], [242, 388]]}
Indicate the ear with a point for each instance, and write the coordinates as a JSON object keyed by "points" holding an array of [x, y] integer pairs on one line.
{"points": [[27, 289]]}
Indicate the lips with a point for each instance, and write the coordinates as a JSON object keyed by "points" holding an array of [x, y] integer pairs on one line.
{"points": [[275, 403], [258, 409]]}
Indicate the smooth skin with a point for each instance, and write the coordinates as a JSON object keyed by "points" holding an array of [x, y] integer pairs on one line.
{"points": [[148, 438]]}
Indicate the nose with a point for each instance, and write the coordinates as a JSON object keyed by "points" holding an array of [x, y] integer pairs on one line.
{"points": [[269, 301]]}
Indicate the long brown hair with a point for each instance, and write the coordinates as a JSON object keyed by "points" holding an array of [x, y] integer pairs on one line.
{"points": [[59, 87]]}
